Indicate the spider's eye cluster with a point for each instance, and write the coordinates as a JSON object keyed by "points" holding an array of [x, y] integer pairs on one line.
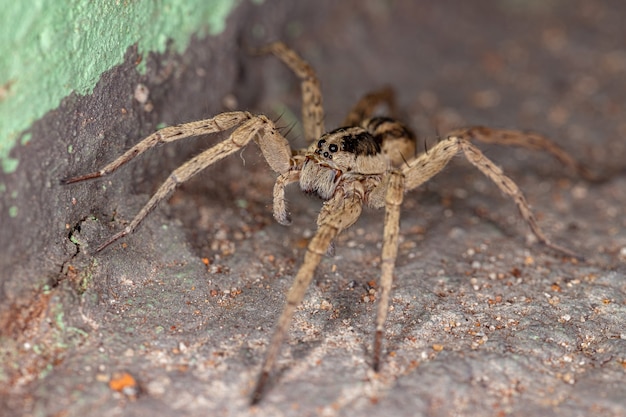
{"points": [[332, 148]]}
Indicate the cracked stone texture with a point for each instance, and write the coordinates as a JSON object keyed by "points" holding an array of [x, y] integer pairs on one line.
{"points": [[176, 318]]}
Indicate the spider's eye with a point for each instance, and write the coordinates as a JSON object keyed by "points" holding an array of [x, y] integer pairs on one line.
{"points": [[320, 143], [333, 148]]}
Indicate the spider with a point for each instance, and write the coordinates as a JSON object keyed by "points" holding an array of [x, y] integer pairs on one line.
{"points": [[370, 161]]}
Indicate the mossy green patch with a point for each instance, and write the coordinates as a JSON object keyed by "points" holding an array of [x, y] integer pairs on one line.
{"points": [[51, 49]]}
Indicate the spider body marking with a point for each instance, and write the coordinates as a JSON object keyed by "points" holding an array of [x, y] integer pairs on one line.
{"points": [[370, 161]]}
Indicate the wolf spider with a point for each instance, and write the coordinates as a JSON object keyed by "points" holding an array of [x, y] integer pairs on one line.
{"points": [[369, 161]]}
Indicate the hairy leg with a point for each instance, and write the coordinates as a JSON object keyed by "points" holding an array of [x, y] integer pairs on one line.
{"points": [[528, 140], [397, 141], [312, 106], [336, 215], [429, 164], [215, 124], [364, 108], [393, 201], [274, 147]]}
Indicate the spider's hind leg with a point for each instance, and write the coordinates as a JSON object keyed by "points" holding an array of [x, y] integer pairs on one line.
{"points": [[396, 140], [427, 165], [508, 187], [365, 107], [528, 140]]}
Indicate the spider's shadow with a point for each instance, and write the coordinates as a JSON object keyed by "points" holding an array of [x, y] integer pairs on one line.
{"points": [[350, 305]]}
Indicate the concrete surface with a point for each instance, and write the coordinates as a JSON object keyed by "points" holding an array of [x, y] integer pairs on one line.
{"points": [[175, 319]]}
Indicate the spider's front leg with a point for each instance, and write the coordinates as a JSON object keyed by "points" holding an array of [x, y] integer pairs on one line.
{"points": [[221, 122], [337, 214], [274, 147], [312, 107], [393, 200]]}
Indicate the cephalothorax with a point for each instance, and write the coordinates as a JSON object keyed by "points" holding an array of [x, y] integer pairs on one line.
{"points": [[369, 161], [348, 154]]}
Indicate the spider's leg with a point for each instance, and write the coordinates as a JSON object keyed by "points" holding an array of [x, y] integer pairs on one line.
{"points": [[428, 165], [393, 201], [312, 107], [365, 107], [274, 147], [337, 214], [281, 214], [528, 140], [218, 123], [508, 187]]}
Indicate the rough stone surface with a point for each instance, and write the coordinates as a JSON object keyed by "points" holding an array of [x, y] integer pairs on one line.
{"points": [[483, 322]]}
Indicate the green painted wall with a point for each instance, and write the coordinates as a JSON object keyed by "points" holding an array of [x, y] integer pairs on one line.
{"points": [[49, 49]]}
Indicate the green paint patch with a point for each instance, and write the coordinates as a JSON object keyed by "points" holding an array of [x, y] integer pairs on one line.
{"points": [[45, 372], [50, 49], [8, 164], [59, 320], [26, 138], [75, 240]]}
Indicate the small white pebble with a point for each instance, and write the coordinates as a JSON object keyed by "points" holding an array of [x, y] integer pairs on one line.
{"points": [[158, 387], [142, 93], [221, 234], [579, 192]]}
